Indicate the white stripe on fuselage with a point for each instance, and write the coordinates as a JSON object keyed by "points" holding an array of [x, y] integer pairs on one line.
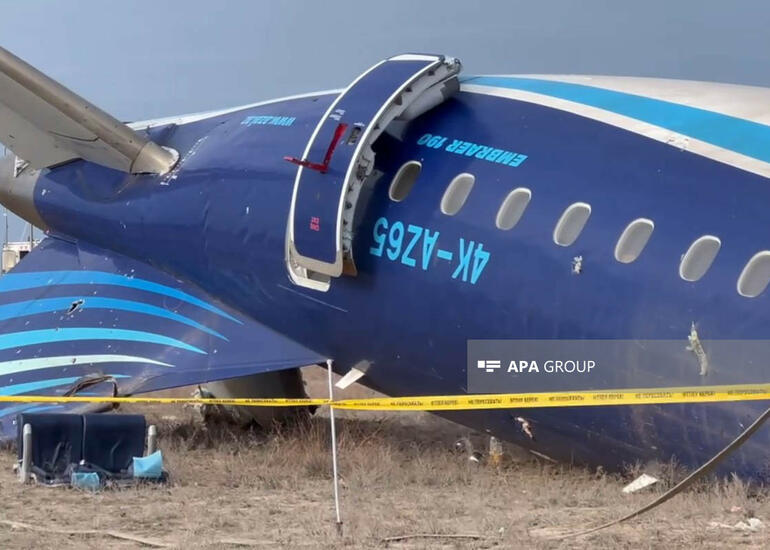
{"points": [[664, 135], [746, 102]]}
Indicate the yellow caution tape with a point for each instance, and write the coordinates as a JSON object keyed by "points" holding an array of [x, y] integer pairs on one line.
{"points": [[241, 402], [644, 396]]}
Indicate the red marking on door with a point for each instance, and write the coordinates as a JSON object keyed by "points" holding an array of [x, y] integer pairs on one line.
{"points": [[322, 166], [315, 223]]}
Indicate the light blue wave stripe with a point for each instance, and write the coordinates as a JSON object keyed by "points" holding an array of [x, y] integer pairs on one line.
{"points": [[33, 307], [45, 336], [34, 279], [38, 385], [735, 134], [39, 363], [26, 408], [44, 408], [27, 387]]}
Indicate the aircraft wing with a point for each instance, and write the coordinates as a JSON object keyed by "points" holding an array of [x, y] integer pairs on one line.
{"points": [[74, 317], [46, 124]]}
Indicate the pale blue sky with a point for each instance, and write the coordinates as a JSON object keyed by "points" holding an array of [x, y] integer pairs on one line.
{"points": [[147, 58]]}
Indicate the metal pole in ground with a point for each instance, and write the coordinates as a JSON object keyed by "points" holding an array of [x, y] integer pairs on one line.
{"points": [[26, 453], [152, 439], [334, 449]]}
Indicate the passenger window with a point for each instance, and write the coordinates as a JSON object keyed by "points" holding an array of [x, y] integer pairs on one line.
{"points": [[571, 223], [513, 208], [699, 257], [457, 193], [633, 240], [755, 276], [404, 180]]}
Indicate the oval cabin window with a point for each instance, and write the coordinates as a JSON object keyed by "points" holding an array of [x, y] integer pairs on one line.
{"points": [[457, 193], [404, 180], [699, 257], [571, 223], [755, 276], [513, 208], [633, 240]]}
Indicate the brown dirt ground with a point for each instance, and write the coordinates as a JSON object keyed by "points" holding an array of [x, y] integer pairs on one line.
{"points": [[399, 475]]}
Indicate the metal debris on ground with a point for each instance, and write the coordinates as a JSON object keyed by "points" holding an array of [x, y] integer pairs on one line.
{"points": [[465, 446], [640, 483], [751, 524], [495, 451]]}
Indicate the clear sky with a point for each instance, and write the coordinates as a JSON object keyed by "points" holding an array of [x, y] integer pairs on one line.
{"points": [[146, 58]]}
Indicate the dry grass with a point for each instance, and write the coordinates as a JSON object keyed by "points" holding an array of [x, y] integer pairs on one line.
{"points": [[399, 475]]}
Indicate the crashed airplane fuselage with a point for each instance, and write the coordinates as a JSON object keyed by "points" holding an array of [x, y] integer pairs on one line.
{"points": [[385, 225]]}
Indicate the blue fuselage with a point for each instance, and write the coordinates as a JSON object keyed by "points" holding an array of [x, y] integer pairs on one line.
{"points": [[427, 282]]}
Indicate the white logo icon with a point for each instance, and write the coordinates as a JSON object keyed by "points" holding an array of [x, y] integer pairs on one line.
{"points": [[488, 366]]}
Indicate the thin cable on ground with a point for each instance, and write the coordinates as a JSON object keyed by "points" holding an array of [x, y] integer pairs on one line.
{"points": [[682, 485]]}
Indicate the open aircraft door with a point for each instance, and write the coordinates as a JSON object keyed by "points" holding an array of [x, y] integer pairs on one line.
{"points": [[339, 157]]}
